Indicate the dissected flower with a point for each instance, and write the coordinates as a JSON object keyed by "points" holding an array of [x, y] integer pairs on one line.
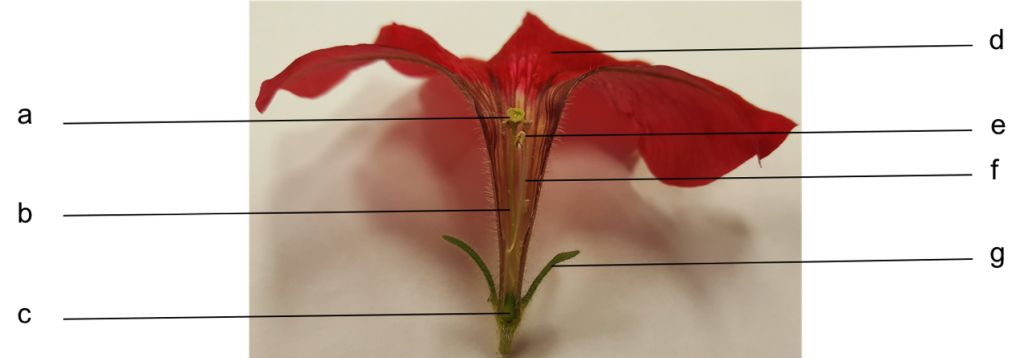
{"points": [[528, 87]]}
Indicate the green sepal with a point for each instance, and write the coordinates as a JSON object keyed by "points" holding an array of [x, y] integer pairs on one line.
{"points": [[536, 282], [479, 262]]}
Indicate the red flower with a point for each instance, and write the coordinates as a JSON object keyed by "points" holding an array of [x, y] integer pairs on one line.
{"points": [[526, 75], [528, 83]]}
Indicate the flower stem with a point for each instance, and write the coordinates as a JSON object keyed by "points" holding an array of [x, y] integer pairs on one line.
{"points": [[506, 332]]}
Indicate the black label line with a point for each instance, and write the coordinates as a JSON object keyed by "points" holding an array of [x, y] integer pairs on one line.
{"points": [[708, 178], [385, 119], [289, 316], [381, 212], [752, 133], [771, 48], [759, 262]]}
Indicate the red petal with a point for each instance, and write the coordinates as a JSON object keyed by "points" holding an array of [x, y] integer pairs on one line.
{"points": [[661, 99], [526, 63], [315, 73], [417, 41]]}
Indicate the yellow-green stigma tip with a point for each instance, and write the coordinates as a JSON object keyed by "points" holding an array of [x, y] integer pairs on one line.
{"points": [[516, 115]]}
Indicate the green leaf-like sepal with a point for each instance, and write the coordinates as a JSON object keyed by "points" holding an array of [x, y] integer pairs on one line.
{"points": [[536, 282], [479, 262]]}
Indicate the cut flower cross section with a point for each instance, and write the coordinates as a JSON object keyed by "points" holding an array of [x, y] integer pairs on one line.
{"points": [[528, 84]]}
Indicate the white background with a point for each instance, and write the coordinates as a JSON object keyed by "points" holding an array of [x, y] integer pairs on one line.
{"points": [[303, 264]]}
